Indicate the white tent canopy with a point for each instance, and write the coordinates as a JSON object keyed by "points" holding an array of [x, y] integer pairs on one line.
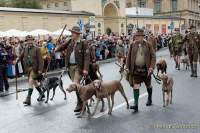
{"points": [[14, 32], [58, 32], [39, 32]]}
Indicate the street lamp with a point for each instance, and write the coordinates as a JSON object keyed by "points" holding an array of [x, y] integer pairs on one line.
{"points": [[137, 11], [171, 16], [137, 15]]}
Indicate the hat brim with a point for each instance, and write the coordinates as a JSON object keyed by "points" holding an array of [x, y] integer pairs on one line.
{"points": [[73, 31], [139, 34], [30, 39]]}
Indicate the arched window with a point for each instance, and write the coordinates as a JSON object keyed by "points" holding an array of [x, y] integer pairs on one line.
{"points": [[141, 3], [157, 6], [174, 5]]}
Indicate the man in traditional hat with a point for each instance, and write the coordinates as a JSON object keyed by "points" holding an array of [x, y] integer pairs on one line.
{"points": [[77, 59], [33, 64], [192, 42], [140, 63], [177, 43]]}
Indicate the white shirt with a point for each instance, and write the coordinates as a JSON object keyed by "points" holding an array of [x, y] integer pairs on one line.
{"points": [[72, 58]]}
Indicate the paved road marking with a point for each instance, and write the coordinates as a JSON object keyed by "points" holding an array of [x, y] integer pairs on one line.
{"points": [[118, 106]]}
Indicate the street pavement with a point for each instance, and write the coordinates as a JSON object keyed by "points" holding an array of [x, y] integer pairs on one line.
{"points": [[183, 116]]}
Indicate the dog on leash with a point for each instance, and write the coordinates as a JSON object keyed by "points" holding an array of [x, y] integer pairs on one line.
{"points": [[161, 66], [107, 90], [167, 88], [52, 83], [185, 61], [86, 92]]}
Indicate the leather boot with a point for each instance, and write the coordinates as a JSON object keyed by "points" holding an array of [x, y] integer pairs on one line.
{"points": [[27, 101], [179, 67], [135, 108], [41, 94], [28, 98], [79, 103], [192, 70], [149, 100], [136, 94], [195, 70]]}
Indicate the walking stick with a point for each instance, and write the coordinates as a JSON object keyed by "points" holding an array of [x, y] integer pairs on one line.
{"points": [[16, 84], [56, 44], [61, 33]]}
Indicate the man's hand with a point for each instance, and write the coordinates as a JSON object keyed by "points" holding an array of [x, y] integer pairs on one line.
{"points": [[85, 72], [150, 71], [39, 72]]}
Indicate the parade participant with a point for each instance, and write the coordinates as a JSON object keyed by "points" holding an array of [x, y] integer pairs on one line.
{"points": [[77, 59], [192, 50], [140, 64], [152, 40], [198, 45], [3, 69], [177, 47], [120, 53], [93, 67], [170, 45], [33, 64]]}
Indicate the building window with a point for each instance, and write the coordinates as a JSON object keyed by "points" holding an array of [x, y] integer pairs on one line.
{"points": [[141, 3], [48, 5], [56, 4], [174, 5], [99, 25], [157, 6], [65, 4], [128, 5]]}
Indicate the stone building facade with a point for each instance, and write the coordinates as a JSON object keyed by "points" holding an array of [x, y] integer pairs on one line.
{"points": [[187, 9], [109, 16]]}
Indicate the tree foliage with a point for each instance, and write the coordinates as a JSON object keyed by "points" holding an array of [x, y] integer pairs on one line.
{"points": [[35, 4]]}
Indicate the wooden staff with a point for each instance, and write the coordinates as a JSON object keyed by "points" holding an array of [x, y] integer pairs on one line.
{"points": [[16, 84], [56, 44]]}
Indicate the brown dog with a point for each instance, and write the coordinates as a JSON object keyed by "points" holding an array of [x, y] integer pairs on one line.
{"points": [[86, 93], [161, 66], [185, 61], [107, 90], [167, 89]]}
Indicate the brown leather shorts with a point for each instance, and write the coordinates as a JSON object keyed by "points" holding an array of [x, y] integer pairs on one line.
{"points": [[193, 57], [140, 79], [177, 52]]}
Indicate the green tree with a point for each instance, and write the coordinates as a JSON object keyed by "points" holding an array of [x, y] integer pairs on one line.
{"points": [[4, 3], [26, 4]]}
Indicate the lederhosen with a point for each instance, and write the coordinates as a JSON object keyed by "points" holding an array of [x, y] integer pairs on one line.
{"points": [[140, 74], [28, 62]]}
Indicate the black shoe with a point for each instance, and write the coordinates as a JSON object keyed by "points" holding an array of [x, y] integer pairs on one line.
{"points": [[1, 93], [27, 101], [149, 100], [41, 98], [149, 103], [135, 108], [195, 76], [78, 107]]}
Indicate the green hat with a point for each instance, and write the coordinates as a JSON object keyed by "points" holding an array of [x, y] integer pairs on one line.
{"points": [[76, 29]]}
